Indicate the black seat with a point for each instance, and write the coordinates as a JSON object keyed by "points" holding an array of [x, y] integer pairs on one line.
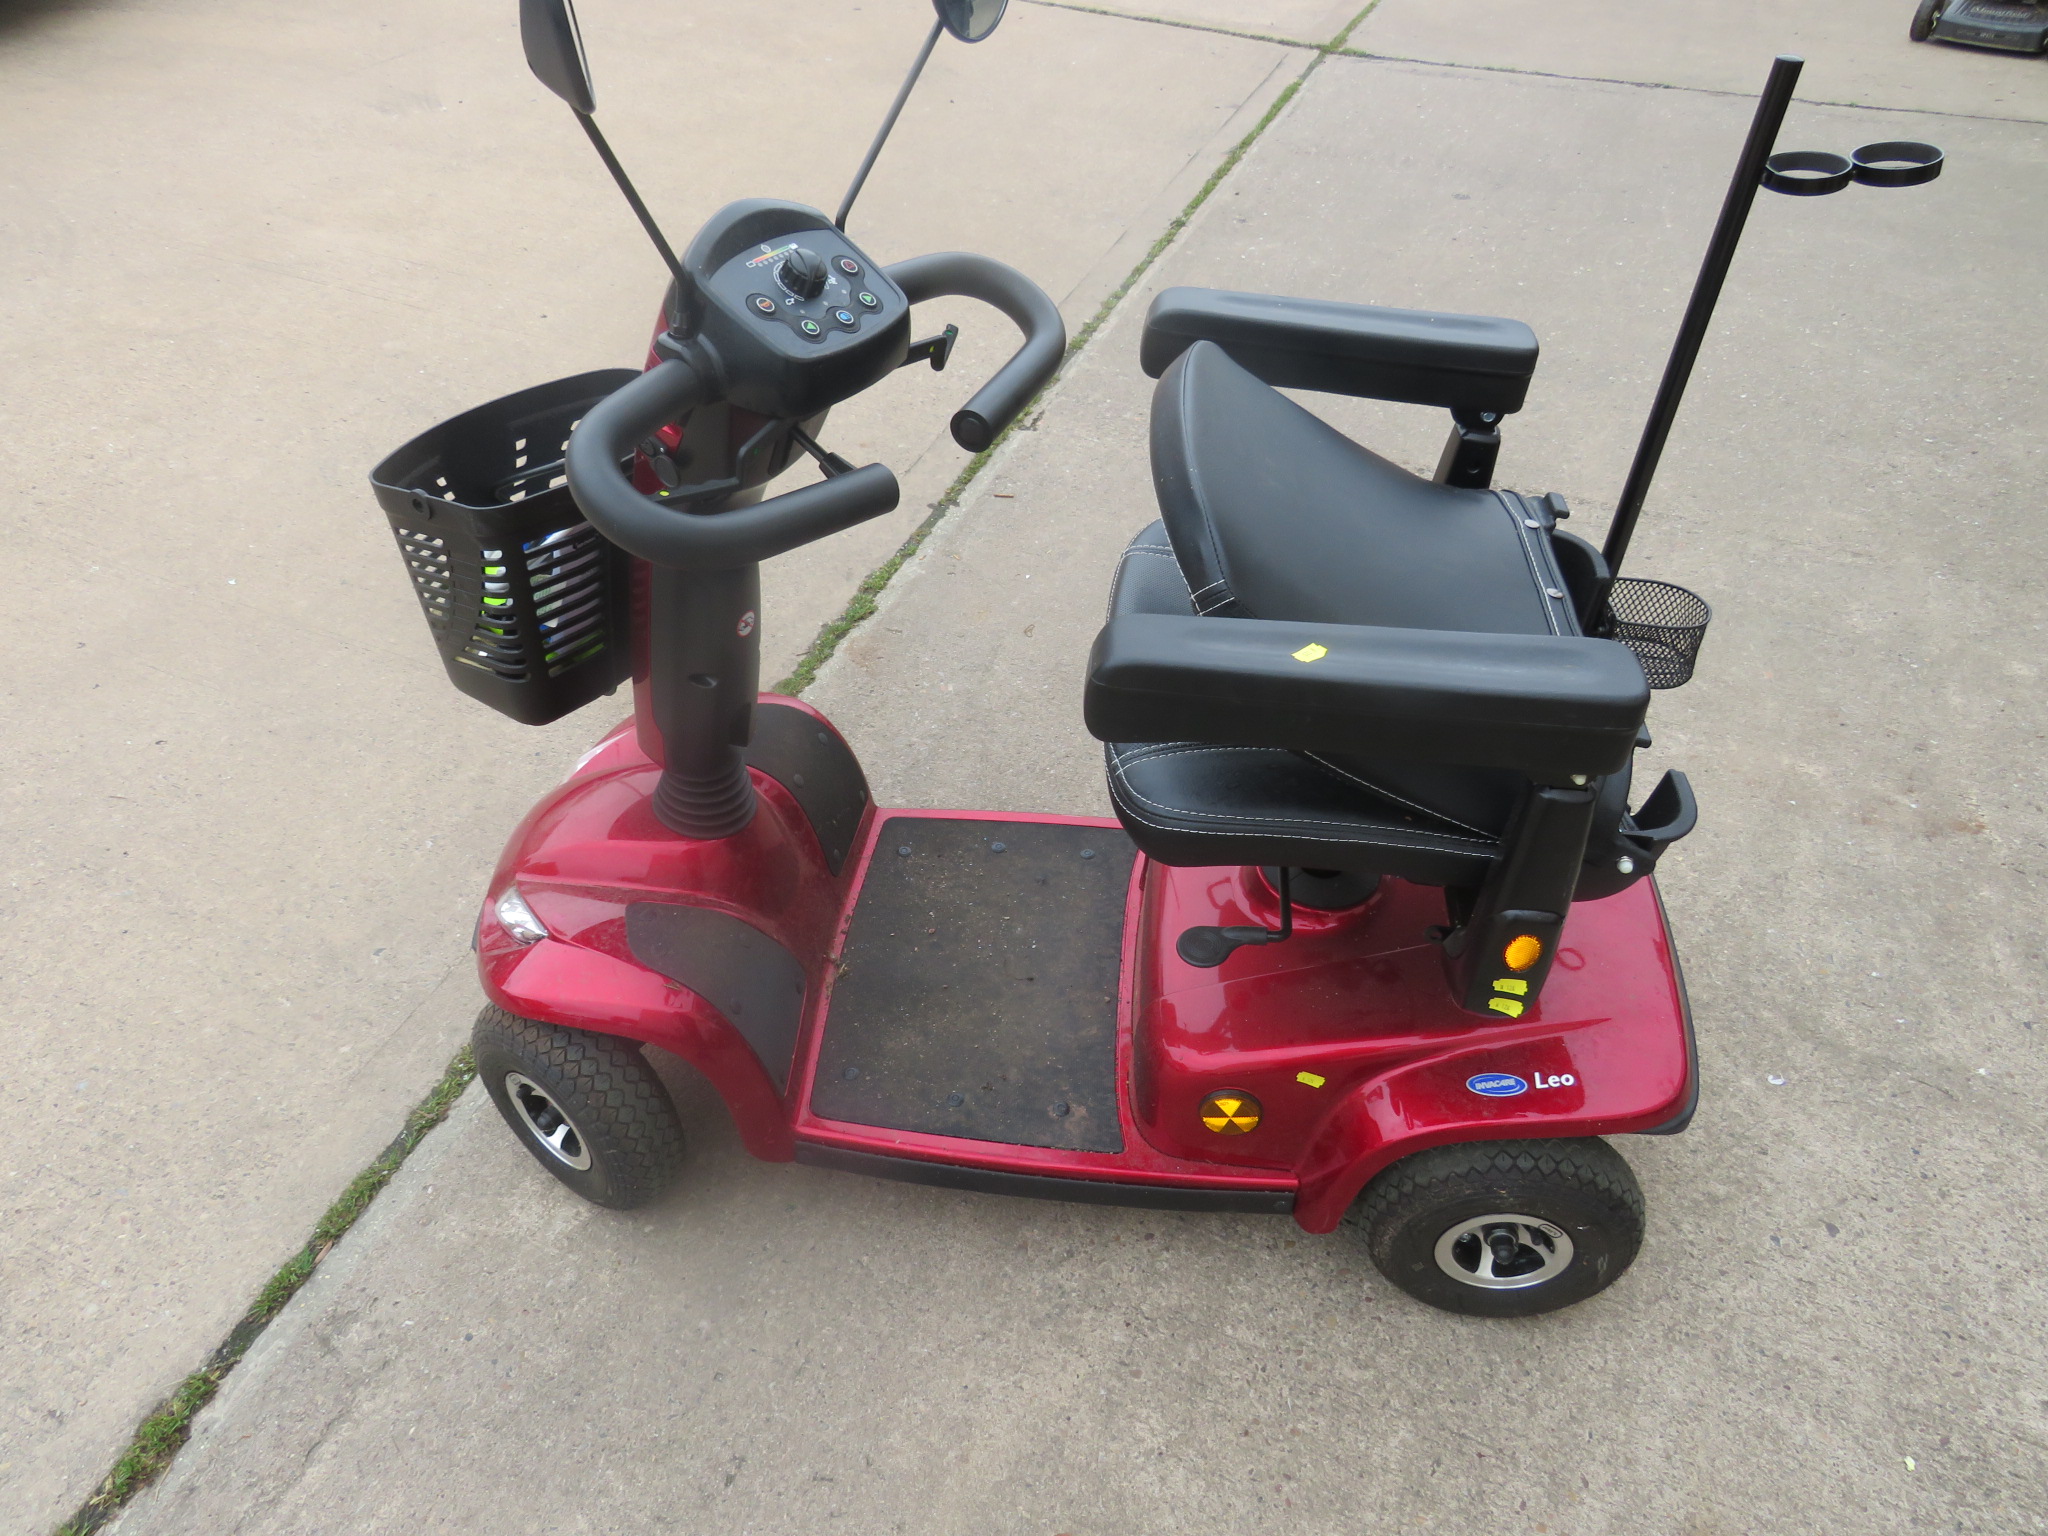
{"points": [[1354, 539], [1318, 660]]}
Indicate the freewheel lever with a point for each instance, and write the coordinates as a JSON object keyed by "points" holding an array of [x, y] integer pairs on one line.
{"points": [[1208, 948]]}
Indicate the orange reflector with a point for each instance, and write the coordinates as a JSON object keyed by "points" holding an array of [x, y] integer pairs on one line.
{"points": [[1523, 951], [1230, 1112]]}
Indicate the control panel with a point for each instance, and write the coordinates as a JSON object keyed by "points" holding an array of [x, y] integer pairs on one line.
{"points": [[807, 292]]}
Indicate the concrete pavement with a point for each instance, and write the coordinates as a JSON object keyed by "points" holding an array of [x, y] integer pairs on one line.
{"points": [[1834, 1323], [244, 251]]}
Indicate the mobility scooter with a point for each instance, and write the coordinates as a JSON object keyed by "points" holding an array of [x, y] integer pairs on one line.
{"points": [[1373, 934]]}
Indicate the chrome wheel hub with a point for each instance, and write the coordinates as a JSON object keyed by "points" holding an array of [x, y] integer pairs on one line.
{"points": [[1505, 1252], [546, 1122]]}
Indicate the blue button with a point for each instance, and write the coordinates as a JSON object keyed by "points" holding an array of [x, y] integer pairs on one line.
{"points": [[846, 318]]}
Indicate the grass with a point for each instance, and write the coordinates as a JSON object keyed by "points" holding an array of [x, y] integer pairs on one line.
{"points": [[158, 1437]]}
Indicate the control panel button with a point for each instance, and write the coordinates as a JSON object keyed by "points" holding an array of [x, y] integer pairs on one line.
{"points": [[761, 304], [849, 266], [810, 328], [847, 318], [868, 301]]}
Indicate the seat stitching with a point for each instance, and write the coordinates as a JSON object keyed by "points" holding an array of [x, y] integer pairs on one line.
{"points": [[1365, 783], [1187, 384], [1118, 773], [1116, 584], [1306, 837], [1535, 562]]}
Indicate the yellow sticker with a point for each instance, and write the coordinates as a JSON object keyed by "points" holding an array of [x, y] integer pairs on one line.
{"points": [[1312, 652], [1310, 1078], [1230, 1112], [1506, 1005], [1512, 984]]}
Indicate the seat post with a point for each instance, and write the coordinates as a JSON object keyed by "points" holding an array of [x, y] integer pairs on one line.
{"points": [[1501, 954], [1471, 451]]}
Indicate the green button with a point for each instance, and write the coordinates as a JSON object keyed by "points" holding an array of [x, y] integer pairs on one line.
{"points": [[809, 327]]}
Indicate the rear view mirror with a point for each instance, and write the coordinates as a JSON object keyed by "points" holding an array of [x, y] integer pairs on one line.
{"points": [[968, 20], [554, 48]]}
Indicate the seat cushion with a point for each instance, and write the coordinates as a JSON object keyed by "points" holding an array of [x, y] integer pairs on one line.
{"points": [[1187, 803], [1273, 514], [1191, 804]]}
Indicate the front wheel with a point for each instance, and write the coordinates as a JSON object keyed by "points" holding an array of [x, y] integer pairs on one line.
{"points": [[1504, 1228], [587, 1106], [1922, 26]]}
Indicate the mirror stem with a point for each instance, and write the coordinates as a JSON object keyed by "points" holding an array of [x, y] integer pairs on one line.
{"points": [[860, 176], [611, 163]]}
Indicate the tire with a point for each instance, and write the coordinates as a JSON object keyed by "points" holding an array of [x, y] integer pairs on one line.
{"points": [[1922, 26], [1504, 1228], [587, 1106]]}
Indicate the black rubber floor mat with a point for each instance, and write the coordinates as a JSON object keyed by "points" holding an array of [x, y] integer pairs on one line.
{"points": [[977, 996]]}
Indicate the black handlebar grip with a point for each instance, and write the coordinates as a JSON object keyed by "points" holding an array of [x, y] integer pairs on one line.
{"points": [[668, 533], [995, 406]]}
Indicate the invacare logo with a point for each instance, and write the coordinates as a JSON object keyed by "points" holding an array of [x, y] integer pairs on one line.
{"points": [[1497, 1085]]}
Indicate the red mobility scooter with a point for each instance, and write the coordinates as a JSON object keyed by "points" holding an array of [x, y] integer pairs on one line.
{"points": [[1374, 930]]}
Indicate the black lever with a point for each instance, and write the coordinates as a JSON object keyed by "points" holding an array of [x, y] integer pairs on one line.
{"points": [[828, 461], [1210, 947], [938, 348]]}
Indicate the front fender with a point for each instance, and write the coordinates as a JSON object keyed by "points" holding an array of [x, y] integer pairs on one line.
{"points": [[567, 984]]}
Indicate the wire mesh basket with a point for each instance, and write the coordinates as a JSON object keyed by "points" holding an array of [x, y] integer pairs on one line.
{"points": [[527, 602], [1662, 624]]}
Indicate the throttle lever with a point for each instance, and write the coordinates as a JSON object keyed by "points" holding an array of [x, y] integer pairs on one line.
{"points": [[938, 348]]}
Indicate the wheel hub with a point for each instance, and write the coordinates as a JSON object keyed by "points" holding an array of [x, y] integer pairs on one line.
{"points": [[545, 1121], [1503, 1252]]}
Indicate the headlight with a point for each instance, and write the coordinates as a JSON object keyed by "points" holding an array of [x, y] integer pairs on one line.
{"points": [[517, 918]]}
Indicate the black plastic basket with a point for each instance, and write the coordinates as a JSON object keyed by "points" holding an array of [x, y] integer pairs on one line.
{"points": [[527, 602], [1662, 624]]}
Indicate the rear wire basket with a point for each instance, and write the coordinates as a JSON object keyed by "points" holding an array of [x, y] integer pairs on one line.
{"points": [[1662, 624], [527, 602]]}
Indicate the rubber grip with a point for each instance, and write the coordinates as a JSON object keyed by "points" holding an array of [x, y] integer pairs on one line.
{"points": [[964, 275]]}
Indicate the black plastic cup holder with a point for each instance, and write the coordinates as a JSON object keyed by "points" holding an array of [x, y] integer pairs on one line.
{"points": [[1662, 624], [1896, 163], [1808, 172]]}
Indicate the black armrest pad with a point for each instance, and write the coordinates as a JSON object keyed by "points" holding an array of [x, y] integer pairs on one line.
{"points": [[1461, 362], [1543, 704]]}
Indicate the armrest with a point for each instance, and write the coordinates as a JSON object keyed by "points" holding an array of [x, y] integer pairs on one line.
{"points": [[1546, 705], [1462, 362]]}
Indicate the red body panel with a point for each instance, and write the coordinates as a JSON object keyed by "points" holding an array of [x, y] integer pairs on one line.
{"points": [[1356, 999]]}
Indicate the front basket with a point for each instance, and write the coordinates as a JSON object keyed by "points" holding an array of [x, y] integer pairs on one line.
{"points": [[525, 599]]}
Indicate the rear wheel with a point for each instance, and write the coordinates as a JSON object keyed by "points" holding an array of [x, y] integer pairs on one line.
{"points": [[1504, 1228], [587, 1106], [1924, 18]]}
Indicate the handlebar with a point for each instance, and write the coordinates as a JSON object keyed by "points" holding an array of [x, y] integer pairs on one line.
{"points": [[967, 276], [672, 535], [669, 534]]}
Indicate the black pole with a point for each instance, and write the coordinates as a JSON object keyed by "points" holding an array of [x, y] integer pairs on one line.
{"points": [[1706, 291], [860, 177], [611, 163]]}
